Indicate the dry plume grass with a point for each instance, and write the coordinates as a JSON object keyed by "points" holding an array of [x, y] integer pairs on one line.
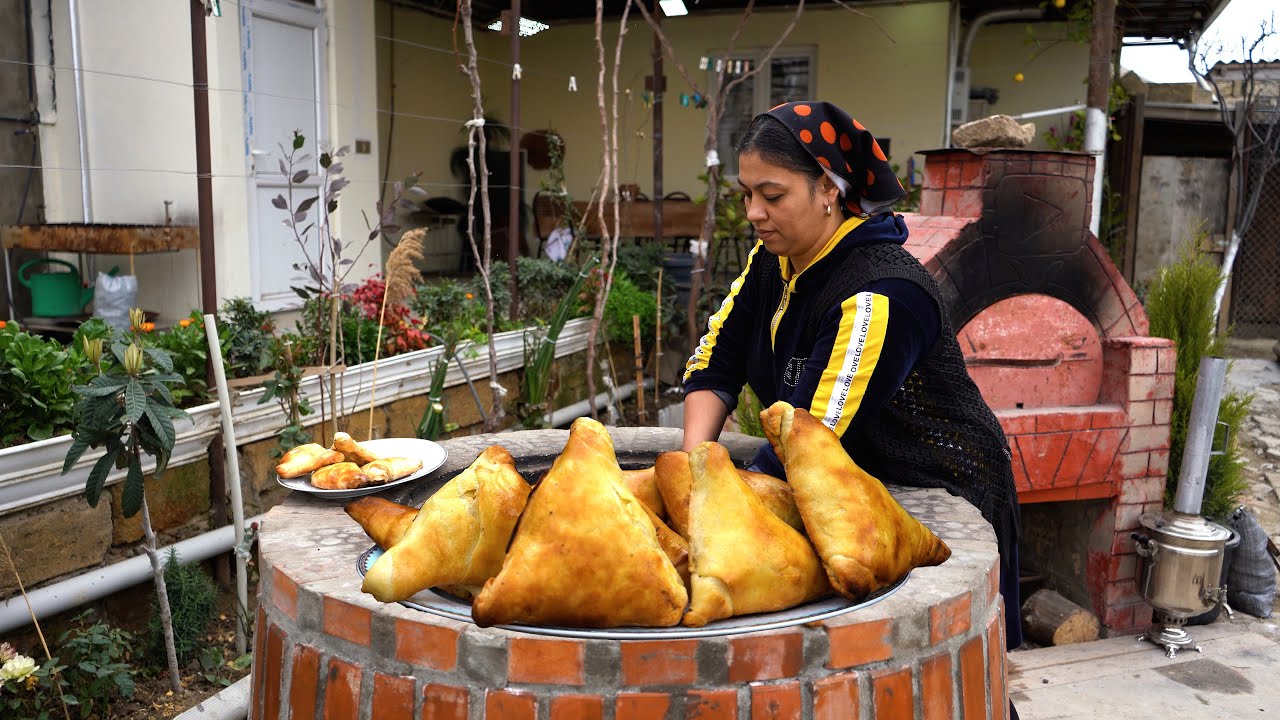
{"points": [[402, 266]]}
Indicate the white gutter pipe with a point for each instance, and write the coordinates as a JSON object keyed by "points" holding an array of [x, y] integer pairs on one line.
{"points": [[87, 587], [569, 413], [77, 74], [231, 475], [961, 58]]}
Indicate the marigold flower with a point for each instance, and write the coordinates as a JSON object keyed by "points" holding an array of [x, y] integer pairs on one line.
{"points": [[470, 296], [184, 322], [3, 324]]}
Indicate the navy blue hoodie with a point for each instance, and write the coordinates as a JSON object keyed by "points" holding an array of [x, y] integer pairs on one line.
{"points": [[863, 350]]}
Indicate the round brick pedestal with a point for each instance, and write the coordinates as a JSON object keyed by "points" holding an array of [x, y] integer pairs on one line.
{"points": [[933, 649]]}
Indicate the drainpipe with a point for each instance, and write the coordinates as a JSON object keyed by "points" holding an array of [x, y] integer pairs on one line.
{"points": [[958, 89], [96, 584], [1099, 93], [77, 74]]}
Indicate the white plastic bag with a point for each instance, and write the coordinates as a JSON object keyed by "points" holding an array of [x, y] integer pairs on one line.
{"points": [[113, 296]]}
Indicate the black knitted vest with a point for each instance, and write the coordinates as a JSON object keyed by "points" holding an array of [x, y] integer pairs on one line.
{"points": [[937, 430]]}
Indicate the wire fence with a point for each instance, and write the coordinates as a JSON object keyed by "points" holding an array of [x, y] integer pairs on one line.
{"points": [[1255, 302]]}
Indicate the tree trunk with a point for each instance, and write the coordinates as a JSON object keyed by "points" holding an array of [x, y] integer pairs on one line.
{"points": [[1051, 619], [162, 595]]}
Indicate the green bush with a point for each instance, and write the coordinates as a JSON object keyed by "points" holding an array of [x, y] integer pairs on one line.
{"points": [[1180, 308], [542, 283], [625, 300], [193, 600], [247, 344], [189, 349], [36, 375], [97, 667]]}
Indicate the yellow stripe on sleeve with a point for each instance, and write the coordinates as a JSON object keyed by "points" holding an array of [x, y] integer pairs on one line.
{"points": [[702, 356], [864, 319]]}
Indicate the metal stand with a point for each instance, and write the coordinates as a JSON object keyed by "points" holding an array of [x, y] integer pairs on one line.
{"points": [[1167, 632]]}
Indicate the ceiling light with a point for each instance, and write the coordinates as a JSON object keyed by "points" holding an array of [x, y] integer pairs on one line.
{"points": [[672, 8], [527, 27]]}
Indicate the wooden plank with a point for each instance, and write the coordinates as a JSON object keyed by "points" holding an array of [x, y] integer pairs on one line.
{"points": [[680, 218], [111, 239]]}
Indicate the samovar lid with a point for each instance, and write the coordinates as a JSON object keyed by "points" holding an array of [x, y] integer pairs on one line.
{"points": [[1185, 527]]}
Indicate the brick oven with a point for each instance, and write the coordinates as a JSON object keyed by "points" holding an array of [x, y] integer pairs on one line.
{"points": [[1057, 341]]}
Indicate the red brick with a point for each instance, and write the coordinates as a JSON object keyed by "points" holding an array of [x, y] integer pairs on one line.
{"points": [[892, 694], [659, 662], [284, 593], [275, 661], [1158, 463], [392, 697], [971, 173], [1109, 419], [935, 173], [641, 706], [1103, 457], [1143, 387], [1142, 361], [775, 702], [860, 643], [1118, 617], [931, 202], [577, 707], [1122, 542], [1041, 455], [342, 691], [935, 687], [1076, 457], [429, 646], [444, 702], [1150, 437], [973, 677], [556, 662], [1166, 360], [711, 705], [1133, 464], [1164, 387], [993, 583], [1122, 592], [1063, 421], [954, 169], [1020, 480], [1126, 517], [259, 663], [347, 621], [1162, 412], [510, 705], [1141, 490], [835, 697], [996, 669], [306, 678], [962, 203], [1024, 424], [1141, 412], [949, 618], [1122, 567], [765, 657]]}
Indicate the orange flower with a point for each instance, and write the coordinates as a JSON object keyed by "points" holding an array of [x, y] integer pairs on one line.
{"points": [[470, 296], [184, 322], [148, 326], [3, 324]]}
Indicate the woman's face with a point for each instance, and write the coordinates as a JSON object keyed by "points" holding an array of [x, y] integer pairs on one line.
{"points": [[787, 210]]}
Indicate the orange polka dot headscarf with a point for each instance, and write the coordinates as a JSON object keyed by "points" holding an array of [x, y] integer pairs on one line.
{"points": [[847, 152]]}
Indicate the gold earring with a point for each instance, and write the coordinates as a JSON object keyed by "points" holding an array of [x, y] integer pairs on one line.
{"points": [[828, 208]]}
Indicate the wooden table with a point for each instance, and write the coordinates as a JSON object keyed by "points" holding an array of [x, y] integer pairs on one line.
{"points": [[680, 218]]}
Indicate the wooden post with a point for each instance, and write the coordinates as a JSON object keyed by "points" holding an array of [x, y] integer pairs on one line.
{"points": [[657, 347], [635, 330]]}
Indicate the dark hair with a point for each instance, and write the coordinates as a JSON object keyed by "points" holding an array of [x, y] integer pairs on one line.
{"points": [[770, 139]]}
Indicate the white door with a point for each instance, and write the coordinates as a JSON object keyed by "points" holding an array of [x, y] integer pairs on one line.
{"points": [[283, 57]]}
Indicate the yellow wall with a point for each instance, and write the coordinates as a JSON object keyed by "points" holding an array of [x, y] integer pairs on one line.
{"points": [[897, 88]]}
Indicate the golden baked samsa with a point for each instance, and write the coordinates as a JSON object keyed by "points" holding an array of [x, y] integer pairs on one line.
{"points": [[383, 520], [673, 480], [388, 469], [644, 486], [352, 450], [459, 535], [340, 476], [744, 559], [306, 458], [585, 553], [864, 537], [675, 546]]}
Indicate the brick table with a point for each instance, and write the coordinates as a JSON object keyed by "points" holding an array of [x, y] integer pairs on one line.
{"points": [[933, 649]]}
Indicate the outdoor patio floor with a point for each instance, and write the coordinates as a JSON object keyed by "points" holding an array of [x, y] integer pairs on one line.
{"points": [[1237, 676]]}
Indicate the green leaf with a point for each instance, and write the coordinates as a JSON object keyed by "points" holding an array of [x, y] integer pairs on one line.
{"points": [[78, 446], [98, 476], [298, 140], [70, 700], [131, 498], [135, 401], [160, 358], [163, 426]]}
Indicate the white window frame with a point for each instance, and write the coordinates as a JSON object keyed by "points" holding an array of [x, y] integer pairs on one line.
{"points": [[313, 16], [762, 80]]}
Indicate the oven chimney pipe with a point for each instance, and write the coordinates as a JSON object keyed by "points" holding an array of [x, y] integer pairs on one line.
{"points": [[1097, 98], [1200, 429]]}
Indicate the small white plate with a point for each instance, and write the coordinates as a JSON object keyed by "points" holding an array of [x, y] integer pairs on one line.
{"points": [[431, 454]]}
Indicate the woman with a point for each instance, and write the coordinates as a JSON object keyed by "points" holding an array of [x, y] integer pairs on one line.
{"points": [[833, 315]]}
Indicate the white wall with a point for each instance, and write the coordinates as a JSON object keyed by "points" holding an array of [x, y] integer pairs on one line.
{"points": [[140, 133]]}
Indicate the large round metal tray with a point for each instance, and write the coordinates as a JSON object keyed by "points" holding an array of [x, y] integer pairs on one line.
{"points": [[445, 605]]}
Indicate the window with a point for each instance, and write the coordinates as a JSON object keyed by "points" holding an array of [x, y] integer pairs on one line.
{"points": [[789, 76]]}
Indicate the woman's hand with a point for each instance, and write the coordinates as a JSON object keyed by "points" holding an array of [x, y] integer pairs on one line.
{"points": [[704, 416]]}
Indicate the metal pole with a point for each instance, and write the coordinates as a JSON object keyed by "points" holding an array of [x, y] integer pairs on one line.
{"points": [[1200, 428], [514, 227], [659, 87], [208, 267], [231, 477], [1097, 97]]}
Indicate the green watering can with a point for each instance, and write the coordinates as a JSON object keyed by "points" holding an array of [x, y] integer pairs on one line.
{"points": [[55, 294]]}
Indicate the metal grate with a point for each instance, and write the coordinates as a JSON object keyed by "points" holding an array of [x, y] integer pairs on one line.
{"points": [[1255, 298]]}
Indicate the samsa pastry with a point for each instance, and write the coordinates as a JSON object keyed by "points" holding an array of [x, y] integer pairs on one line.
{"points": [[384, 521], [352, 450], [340, 476], [585, 553], [864, 537], [671, 473], [644, 486], [744, 558], [389, 469], [459, 536], [306, 458]]}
